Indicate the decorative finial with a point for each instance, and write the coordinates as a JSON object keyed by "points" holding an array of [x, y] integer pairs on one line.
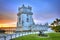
{"points": [[23, 5]]}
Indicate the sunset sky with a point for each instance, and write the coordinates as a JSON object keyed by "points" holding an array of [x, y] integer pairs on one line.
{"points": [[43, 11]]}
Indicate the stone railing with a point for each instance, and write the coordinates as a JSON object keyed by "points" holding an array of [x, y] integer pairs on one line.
{"points": [[14, 35]]}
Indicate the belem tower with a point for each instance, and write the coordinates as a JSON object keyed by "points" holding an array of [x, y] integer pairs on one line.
{"points": [[25, 21]]}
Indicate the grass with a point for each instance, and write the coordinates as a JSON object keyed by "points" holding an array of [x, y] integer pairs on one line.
{"points": [[52, 36]]}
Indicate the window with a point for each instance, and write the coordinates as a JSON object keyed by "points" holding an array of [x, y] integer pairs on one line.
{"points": [[27, 20], [19, 20], [27, 15], [22, 22]]}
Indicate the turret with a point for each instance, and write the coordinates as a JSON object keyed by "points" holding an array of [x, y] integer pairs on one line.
{"points": [[25, 10], [29, 7]]}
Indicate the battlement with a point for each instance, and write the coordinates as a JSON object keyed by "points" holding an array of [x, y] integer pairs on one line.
{"points": [[24, 7]]}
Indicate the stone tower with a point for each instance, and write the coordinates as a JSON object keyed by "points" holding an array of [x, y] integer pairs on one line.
{"points": [[25, 20]]}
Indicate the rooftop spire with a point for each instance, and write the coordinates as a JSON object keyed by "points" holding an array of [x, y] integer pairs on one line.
{"points": [[23, 5]]}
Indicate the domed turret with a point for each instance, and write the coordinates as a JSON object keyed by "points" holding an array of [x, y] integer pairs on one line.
{"points": [[29, 7]]}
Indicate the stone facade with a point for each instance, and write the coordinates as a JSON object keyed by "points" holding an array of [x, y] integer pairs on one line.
{"points": [[25, 19]]}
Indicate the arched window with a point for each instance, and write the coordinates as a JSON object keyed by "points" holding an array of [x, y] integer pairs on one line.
{"points": [[27, 20], [19, 19]]}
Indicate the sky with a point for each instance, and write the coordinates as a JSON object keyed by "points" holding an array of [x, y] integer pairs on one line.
{"points": [[43, 11]]}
